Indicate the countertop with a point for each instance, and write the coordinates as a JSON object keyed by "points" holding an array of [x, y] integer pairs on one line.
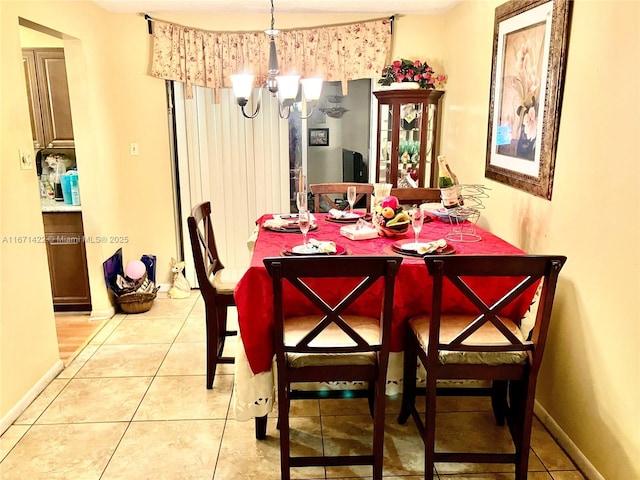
{"points": [[50, 205]]}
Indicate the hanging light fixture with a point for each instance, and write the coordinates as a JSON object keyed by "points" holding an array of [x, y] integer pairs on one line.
{"points": [[284, 87]]}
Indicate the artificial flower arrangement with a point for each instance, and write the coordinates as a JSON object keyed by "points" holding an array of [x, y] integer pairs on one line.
{"points": [[404, 70]]}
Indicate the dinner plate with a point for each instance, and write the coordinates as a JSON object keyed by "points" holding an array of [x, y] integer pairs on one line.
{"points": [[290, 228], [443, 215], [346, 218], [299, 250], [407, 247]]}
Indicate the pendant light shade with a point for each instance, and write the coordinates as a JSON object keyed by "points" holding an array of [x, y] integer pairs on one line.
{"points": [[285, 87]]}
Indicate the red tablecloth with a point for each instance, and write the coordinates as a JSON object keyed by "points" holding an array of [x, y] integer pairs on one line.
{"points": [[254, 295]]}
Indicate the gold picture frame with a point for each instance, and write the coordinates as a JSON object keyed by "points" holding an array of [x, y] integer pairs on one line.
{"points": [[527, 77]]}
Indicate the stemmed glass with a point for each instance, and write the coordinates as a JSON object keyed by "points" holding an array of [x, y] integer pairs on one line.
{"points": [[417, 219], [301, 200], [351, 198], [304, 222]]}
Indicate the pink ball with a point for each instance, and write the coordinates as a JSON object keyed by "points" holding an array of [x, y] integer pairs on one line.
{"points": [[135, 269]]}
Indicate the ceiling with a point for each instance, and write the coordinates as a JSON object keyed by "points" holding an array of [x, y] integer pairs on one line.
{"points": [[281, 6]]}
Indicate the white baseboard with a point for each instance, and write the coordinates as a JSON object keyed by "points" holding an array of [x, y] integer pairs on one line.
{"points": [[164, 287], [31, 395], [582, 462]]}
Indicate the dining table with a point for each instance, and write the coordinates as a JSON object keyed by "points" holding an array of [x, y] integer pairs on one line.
{"points": [[254, 388]]}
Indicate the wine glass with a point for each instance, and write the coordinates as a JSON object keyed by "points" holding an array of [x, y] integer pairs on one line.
{"points": [[351, 198], [301, 200], [417, 219], [304, 222]]}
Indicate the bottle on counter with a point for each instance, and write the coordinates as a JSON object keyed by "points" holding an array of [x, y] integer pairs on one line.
{"points": [[57, 185], [448, 184], [75, 190]]}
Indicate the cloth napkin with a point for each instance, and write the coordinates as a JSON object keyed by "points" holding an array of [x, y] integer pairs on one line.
{"points": [[335, 213], [431, 247], [324, 247], [275, 223]]}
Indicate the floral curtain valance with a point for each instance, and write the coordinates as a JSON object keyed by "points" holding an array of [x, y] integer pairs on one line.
{"points": [[208, 59]]}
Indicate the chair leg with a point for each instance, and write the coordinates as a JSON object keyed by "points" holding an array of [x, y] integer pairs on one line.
{"points": [[283, 423], [261, 427], [430, 428], [212, 346], [521, 399], [409, 381], [499, 400], [378, 430], [221, 323]]}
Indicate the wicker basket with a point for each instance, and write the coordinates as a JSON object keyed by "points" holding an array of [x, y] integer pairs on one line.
{"points": [[136, 302]]}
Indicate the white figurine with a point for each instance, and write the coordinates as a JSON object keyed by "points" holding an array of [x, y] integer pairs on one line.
{"points": [[181, 287]]}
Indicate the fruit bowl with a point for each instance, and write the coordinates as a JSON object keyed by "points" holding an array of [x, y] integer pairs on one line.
{"points": [[386, 231]]}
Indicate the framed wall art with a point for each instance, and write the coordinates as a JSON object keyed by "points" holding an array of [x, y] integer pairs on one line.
{"points": [[527, 76], [318, 137]]}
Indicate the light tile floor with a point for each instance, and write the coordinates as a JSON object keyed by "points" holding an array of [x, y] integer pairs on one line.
{"points": [[133, 405]]}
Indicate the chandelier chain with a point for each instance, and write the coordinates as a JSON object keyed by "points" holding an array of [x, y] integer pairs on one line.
{"points": [[272, 20]]}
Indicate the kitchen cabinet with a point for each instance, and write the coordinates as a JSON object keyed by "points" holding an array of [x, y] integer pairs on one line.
{"points": [[48, 92], [64, 236], [408, 137]]}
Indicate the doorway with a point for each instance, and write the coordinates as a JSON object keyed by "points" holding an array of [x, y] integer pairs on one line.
{"points": [[44, 63]]}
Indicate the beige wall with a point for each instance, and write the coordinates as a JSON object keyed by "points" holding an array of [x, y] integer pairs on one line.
{"points": [[589, 384], [590, 380]]}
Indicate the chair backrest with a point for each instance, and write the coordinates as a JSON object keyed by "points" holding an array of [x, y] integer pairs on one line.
{"points": [[364, 272], [326, 191], [203, 245], [468, 274], [411, 196]]}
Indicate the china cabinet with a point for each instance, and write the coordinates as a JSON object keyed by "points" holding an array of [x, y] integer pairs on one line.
{"points": [[48, 92], [407, 137]]}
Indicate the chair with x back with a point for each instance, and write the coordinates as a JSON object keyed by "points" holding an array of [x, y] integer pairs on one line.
{"points": [[216, 283], [327, 343], [491, 345], [328, 193]]}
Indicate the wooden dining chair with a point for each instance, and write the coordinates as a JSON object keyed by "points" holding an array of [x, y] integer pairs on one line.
{"points": [[486, 346], [416, 196], [327, 192], [328, 344], [216, 283]]}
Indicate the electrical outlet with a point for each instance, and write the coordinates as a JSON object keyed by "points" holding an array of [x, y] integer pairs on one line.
{"points": [[25, 160], [133, 149]]}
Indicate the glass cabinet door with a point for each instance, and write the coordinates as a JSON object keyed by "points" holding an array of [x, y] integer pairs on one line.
{"points": [[407, 137]]}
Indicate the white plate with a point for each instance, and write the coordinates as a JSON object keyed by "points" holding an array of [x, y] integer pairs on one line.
{"points": [[431, 207], [413, 247]]}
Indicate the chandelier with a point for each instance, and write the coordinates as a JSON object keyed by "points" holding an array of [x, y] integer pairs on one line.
{"points": [[284, 87]]}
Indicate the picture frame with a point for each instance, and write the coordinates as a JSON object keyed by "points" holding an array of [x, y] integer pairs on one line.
{"points": [[318, 137], [527, 78]]}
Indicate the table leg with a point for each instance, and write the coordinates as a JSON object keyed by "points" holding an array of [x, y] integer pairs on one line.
{"points": [[261, 427]]}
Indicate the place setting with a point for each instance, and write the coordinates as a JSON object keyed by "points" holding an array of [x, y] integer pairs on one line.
{"points": [[341, 216], [312, 246], [287, 223], [415, 247]]}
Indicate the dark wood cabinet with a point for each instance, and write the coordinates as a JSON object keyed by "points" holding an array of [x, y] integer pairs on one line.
{"points": [[48, 92], [408, 137], [64, 235]]}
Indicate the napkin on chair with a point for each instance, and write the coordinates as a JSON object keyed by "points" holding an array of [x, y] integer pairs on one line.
{"points": [[323, 247]]}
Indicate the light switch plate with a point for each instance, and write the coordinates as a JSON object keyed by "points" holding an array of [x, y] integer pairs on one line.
{"points": [[25, 160]]}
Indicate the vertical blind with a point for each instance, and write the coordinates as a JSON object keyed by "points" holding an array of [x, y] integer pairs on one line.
{"points": [[241, 166]]}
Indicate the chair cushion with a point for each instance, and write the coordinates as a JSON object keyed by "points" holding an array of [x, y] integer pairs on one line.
{"points": [[451, 325], [225, 280], [295, 328]]}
